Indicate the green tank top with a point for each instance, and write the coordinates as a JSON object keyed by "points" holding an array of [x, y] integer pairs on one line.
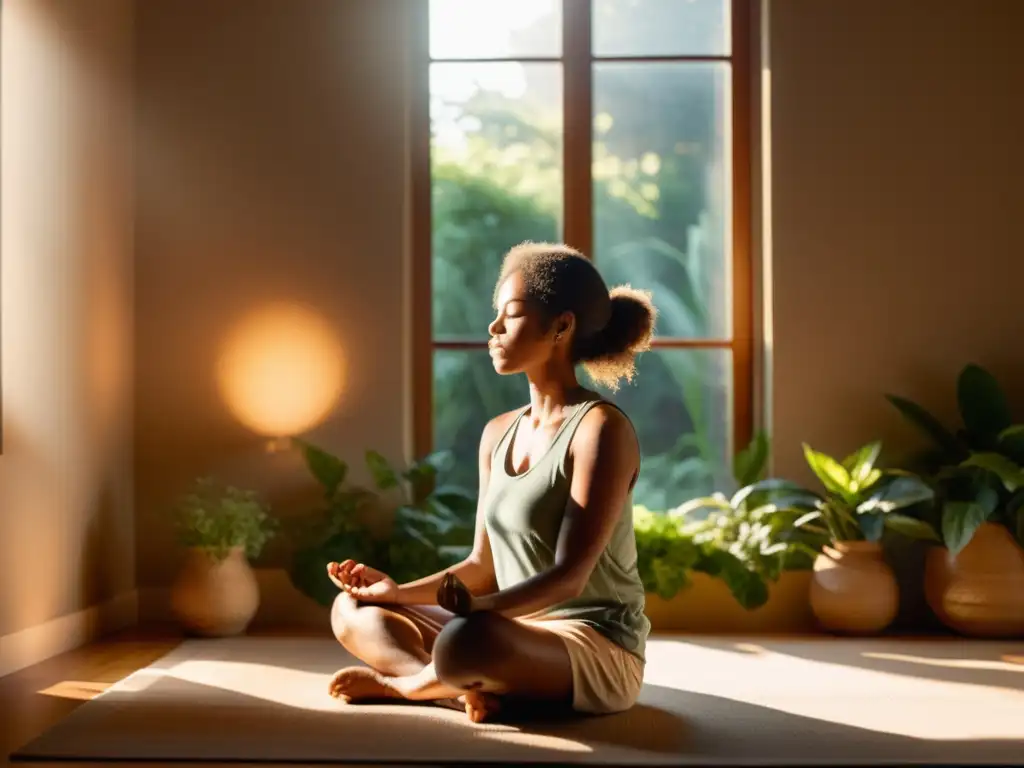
{"points": [[523, 514]]}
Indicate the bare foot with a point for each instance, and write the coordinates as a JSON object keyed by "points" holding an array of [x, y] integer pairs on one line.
{"points": [[353, 684], [481, 706]]}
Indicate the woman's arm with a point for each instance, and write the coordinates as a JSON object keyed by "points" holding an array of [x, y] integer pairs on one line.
{"points": [[606, 459], [477, 570]]}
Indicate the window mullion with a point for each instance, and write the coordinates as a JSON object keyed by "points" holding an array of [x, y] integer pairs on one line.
{"points": [[577, 117]]}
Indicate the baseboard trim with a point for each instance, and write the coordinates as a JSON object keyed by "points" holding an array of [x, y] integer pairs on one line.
{"points": [[26, 647]]}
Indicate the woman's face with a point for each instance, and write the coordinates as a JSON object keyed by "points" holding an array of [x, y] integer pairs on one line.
{"points": [[520, 337]]}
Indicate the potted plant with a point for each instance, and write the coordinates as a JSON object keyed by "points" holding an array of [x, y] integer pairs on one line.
{"points": [[723, 563], [854, 589], [973, 582], [407, 525], [221, 527]]}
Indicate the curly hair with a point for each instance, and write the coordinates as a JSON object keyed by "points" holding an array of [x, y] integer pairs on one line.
{"points": [[612, 327]]}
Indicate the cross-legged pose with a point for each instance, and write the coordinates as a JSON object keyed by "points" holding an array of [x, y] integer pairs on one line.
{"points": [[549, 607]]}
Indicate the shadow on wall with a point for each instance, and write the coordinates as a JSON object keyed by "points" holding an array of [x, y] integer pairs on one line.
{"points": [[33, 583], [103, 572]]}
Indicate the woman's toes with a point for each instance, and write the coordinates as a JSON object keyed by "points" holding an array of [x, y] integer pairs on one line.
{"points": [[481, 706], [360, 683]]}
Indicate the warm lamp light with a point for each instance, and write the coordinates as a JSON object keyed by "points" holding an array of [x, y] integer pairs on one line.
{"points": [[280, 370]]}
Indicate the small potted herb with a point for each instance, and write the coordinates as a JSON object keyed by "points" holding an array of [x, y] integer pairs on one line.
{"points": [[221, 528]]}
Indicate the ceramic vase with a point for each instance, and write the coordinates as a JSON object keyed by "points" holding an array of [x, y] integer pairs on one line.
{"points": [[853, 590], [979, 591], [215, 597]]}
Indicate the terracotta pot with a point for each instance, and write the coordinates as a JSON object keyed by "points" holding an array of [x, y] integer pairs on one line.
{"points": [[707, 606], [853, 589], [980, 591], [215, 598]]}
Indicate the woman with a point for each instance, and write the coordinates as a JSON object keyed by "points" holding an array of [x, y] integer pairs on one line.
{"points": [[548, 607]]}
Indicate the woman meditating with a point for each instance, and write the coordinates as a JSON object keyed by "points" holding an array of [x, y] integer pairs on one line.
{"points": [[549, 607]]}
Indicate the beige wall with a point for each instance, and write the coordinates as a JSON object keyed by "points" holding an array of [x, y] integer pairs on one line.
{"points": [[897, 254], [66, 514], [271, 162]]}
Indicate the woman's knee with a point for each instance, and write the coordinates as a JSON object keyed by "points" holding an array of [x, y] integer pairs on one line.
{"points": [[467, 653], [349, 618], [343, 613]]}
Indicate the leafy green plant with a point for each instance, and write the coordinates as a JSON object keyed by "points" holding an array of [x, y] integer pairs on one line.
{"points": [[749, 539], [432, 526], [665, 552], [859, 501], [986, 422], [985, 487], [976, 465], [746, 540], [219, 518]]}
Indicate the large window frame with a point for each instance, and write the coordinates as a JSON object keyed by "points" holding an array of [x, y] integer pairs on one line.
{"points": [[578, 61]]}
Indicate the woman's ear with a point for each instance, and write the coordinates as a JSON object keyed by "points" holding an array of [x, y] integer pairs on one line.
{"points": [[564, 326]]}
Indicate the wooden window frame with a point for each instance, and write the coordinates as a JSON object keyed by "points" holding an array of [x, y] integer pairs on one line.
{"points": [[577, 60]]}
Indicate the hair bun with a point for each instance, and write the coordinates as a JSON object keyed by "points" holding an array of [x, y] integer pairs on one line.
{"points": [[611, 355]]}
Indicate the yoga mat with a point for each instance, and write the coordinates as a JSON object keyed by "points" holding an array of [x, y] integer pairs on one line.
{"points": [[706, 701]]}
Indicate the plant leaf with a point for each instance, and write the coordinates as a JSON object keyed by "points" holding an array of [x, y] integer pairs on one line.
{"points": [[749, 588], [1007, 470], [1015, 430], [872, 525], [860, 463], [704, 502], [832, 474], [960, 519], [982, 403], [329, 470], [750, 463], [384, 475], [1011, 442], [772, 486], [911, 527], [899, 492], [988, 498], [803, 520], [928, 424]]}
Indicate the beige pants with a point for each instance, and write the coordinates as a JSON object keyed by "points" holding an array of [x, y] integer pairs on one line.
{"points": [[606, 678]]}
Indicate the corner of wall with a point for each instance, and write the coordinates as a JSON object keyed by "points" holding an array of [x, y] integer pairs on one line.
{"points": [[33, 645]]}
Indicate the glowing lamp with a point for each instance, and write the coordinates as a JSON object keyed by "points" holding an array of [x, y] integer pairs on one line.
{"points": [[281, 370]]}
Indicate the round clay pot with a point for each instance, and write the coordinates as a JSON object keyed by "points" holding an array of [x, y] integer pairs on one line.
{"points": [[215, 598], [854, 590], [980, 591]]}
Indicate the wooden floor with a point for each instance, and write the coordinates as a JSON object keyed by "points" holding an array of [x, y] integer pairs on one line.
{"points": [[34, 699]]}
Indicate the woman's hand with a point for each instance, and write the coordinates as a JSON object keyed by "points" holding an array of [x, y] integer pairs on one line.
{"points": [[363, 582], [455, 596]]}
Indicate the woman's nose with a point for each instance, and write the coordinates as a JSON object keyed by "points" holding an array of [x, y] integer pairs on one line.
{"points": [[495, 327]]}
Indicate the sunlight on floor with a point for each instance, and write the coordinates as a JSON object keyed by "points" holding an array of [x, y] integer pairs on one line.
{"points": [[899, 704], [75, 689], [833, 688], [998, 666], [534, 740], [261, 682]]}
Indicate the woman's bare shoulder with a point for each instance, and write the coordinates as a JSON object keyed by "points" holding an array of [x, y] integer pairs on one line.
{"points": [[605, 425]]}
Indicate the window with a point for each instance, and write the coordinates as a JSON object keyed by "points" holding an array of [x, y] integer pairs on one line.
{"points": [[619, 127]]}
